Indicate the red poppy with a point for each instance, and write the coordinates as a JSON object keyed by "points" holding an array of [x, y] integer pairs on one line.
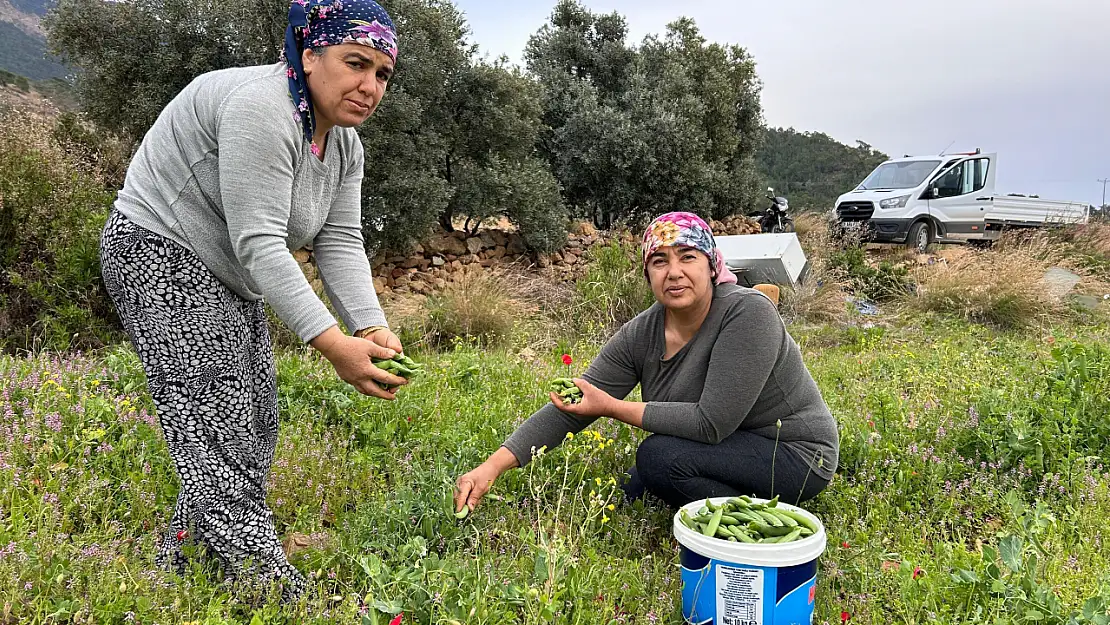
{"points": [[918, 572], [397, 619], [845, 617], [845, 545], [567, 360], [182, 535]]}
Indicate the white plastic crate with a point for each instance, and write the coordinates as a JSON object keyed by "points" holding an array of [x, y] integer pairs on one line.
{"points": [[765, 258]]}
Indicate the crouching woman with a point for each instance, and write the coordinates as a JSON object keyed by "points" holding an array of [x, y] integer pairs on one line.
{"points": [[729, 403]]}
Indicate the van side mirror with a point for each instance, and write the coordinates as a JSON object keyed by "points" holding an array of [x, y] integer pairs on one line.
{"points": [[932, 193]]}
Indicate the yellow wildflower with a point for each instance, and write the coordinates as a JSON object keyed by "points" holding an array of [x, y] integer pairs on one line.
{"points": [[597, 480], [611, 507], [604, 519], [570, 436]]}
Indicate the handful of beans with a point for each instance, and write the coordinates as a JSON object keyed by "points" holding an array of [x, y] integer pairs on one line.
{"points": [[400, 365], [566, 390], [742, 520]]}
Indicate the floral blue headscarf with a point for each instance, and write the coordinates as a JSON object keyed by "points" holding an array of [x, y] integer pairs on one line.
{"points": [[320, 23]]}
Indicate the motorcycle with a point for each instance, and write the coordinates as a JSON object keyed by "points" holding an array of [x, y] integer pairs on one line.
{"points": [[776, 218]]}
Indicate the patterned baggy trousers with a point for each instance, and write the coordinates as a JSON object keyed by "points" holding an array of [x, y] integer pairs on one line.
{"points": [[210, 370]]}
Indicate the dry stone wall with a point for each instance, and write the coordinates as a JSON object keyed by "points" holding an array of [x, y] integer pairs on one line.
{"points": [[432, 264]]}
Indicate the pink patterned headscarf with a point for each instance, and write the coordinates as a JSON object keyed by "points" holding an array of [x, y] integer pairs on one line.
{"points": [[686, 230]]}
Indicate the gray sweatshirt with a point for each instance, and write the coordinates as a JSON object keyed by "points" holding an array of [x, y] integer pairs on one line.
{"points": [[741, 371], [227, 173]]}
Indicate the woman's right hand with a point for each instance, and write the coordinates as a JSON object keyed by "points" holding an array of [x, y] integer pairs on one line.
{"points": [[472, 486], [350, 356]]}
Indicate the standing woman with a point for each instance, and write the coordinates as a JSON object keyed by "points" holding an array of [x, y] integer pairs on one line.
{"points": [[243, 166]]}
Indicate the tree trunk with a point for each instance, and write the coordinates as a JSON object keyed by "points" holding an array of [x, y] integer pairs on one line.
{"points": [[449, 211]]}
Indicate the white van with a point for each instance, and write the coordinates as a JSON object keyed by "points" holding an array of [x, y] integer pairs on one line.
{"points": [[948, 198]]}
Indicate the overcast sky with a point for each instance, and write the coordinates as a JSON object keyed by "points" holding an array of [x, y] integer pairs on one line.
{"points": [[1028, 79]]}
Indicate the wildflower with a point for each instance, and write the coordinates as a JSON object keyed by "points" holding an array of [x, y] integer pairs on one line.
{"points": [[182, 535], [597, 480], [611, 507], [570, 436], [918, 572], [54, 421], [845, 617], [845, 545], [567, 360], [604, 519], [397, 619]]}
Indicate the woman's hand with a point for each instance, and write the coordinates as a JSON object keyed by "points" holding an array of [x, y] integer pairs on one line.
{"points": [[351, 358], [472, 486], [595, 402], [385, 338]]}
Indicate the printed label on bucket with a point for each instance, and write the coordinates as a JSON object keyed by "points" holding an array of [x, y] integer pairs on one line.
{"points": [[715, 592], [739, 595]]}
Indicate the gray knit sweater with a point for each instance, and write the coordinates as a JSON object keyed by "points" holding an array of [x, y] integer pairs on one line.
{"points": [[227, 173], [741, 371]]}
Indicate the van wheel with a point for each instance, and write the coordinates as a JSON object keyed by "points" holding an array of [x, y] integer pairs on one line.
{"points": [[920, 237]]}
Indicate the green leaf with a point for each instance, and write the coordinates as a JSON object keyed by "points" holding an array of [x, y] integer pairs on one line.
{"points": [[540, 572], [967, 577], [256, 619], [1010, 548], [389, 607], [1034, 615], [1092, 607]]}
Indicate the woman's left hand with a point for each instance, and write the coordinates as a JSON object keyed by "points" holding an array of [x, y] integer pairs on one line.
{"points": [[595, 402], [386, 339]]}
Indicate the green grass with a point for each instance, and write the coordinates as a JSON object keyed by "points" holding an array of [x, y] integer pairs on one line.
{"points": [[965, 452]]}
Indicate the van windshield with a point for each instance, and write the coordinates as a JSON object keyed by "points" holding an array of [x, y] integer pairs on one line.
{"points": [[904, 175]]}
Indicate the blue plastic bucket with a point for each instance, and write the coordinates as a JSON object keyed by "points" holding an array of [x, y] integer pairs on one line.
{"points": [[727, 583]]}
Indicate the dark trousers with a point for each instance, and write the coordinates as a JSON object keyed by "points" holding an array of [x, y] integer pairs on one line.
{"points": [[678, 470]]}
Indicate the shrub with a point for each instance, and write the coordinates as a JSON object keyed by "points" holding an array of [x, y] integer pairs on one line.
{"points": [[820, 298], [52, 208], [478, 305], [613, 290], [1002, 289], [883, 282]]}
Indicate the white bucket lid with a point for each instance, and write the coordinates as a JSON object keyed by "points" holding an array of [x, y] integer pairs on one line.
{"points": [[759, 554]]}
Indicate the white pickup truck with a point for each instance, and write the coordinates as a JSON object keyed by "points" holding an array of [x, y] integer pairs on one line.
{"points": [[950, 198]]}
